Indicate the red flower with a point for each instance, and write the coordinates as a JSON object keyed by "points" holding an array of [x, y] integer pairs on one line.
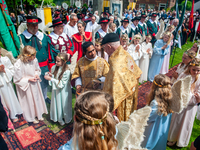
{"points": [[153, 34]]}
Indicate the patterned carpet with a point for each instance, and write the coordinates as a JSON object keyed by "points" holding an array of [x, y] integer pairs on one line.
{"points": [[52, 141]]}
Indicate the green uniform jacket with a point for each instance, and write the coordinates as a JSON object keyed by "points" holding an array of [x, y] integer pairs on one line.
{"points": [[46, 55]]}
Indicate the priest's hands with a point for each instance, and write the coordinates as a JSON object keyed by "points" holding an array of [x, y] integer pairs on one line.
{"points": [[78, 88], [2, 68]]}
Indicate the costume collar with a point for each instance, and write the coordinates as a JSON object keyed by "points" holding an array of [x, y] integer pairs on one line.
{"points": [[92, 58], [133, 26], [28, 35], [79, 38], [152, 21], [55, 36], [102, 33]]}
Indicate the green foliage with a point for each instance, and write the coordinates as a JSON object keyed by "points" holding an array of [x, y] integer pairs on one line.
{"points": [[188, 6], [68, 3], [85, 5]]}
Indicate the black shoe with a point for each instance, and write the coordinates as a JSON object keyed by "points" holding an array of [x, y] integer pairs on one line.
{"points": [[47, 100]]}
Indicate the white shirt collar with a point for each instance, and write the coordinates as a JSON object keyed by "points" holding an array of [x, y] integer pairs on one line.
{"points": [[28, 35], [152, 21], [133, 26], [92, 58], [55, 36], [102, 33]]}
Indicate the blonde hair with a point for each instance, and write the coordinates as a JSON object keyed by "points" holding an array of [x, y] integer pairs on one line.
{"points": [[161, 92], [111, 25], [91, 106], [194, 62], [191, 54], [27, 52], [168, 34], [125, 37], [137, 36]]}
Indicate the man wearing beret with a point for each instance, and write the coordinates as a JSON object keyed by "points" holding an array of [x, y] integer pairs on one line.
{"points": [[104, 28], [143, 24], [137, 29], [46, 52], [122, 79], [59, 39], [153, 27], [125, 28]]}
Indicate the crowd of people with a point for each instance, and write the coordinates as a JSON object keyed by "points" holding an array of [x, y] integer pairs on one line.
{"points": [[113, 55]]}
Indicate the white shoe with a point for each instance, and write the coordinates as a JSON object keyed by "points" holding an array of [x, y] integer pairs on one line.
{"points": [[171, 143], [35, 121]]}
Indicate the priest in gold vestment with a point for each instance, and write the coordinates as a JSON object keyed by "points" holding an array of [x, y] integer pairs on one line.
{"points": [[122, 79], [90, 70]]}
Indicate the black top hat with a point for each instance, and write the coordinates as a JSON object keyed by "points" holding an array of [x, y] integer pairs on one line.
{"points": [[104, 20], [56, 22], [135, 18], [143, 15], [33, 20], [153, 14], [125, 20]]}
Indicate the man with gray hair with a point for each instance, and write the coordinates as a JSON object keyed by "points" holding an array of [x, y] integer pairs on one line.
{"points": [[96, 15], [122, 79], [71, 27]]}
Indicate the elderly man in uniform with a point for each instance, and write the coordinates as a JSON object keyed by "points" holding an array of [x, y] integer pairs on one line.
{"points": [[153, 27], [137, 29], [104, 28], [125, 28], [122, 79], [59, 39], [143, 24], [46, 52], [90, 69]]}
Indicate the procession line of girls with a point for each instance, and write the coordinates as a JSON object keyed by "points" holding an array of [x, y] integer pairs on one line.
{"points": [[29, 100]]}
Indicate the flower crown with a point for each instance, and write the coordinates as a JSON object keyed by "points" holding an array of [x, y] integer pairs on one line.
{"points": [[91, 120], [195, 64], [161, 86], [189, 54], [62, 58], [29, 55]]}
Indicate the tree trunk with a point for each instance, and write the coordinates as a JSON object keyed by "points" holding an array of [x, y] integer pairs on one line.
{"points": [[16, 15], [98, 5], [125, 4]]}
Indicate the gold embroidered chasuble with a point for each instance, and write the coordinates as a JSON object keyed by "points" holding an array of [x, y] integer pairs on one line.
{"points": [[122, 82], [90, 70]]}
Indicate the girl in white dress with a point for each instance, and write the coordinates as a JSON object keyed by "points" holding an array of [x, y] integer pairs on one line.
{"points": [[134, 49], [8, 96], [144, 61], [186, 59], [27, 80], [182, 124], [61, 98], [124, 41], [100, 51]]}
